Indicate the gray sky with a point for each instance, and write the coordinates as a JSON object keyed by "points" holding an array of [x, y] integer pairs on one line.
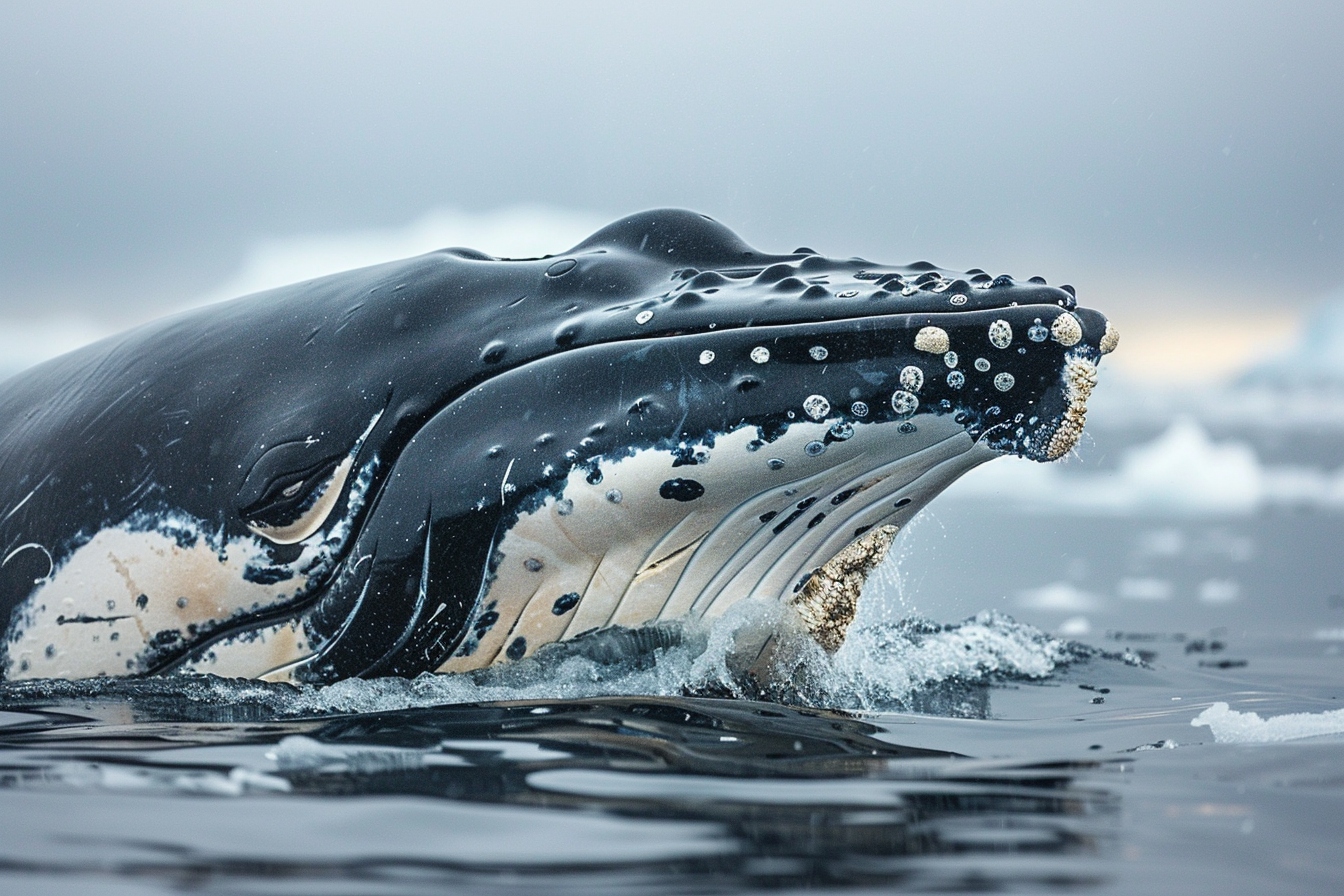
{"points": [[1141, 151]]}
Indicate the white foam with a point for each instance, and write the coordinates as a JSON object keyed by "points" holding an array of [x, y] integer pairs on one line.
{"points": [[1182, 472], [882, 666], [879, 667], [1232, 727]]}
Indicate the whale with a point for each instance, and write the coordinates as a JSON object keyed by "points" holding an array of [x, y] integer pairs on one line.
{"points": [[450, 462]]}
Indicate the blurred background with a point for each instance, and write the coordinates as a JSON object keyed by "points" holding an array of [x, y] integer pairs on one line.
{"points": [[1180, 164]]}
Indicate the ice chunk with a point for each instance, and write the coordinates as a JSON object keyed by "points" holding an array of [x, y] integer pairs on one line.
{"points": [[1232, 727], [1181, 472]]}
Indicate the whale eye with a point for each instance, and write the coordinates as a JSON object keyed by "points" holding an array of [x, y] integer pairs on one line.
{"points": [[291, 491]]}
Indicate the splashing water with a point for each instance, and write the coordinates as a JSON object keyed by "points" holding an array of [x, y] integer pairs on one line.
{"points": [[912, 665]]}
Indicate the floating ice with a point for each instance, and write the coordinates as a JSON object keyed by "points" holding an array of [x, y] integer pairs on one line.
{"points": [[1058, 596], [1232, 727], [1181, 472], [1316, 360]]}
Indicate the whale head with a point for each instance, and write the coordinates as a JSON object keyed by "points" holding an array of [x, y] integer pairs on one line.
{"points": [[449, 462]]}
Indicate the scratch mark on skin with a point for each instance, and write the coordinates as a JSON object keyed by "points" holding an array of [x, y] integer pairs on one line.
{"points": [[68, 620], [51, 564], [504, 487], [25, 500], [107, 410]]}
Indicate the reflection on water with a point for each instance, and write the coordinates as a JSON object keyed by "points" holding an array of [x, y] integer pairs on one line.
{"points": [[659, 794]]}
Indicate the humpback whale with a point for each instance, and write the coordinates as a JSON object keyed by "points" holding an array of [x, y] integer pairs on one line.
{"points": [[448, 462]]}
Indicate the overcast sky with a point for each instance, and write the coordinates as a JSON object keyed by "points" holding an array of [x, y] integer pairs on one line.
{"points": [[1141, 151]]}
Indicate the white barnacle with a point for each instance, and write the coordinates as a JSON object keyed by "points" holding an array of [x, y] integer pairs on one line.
{"points": [[933, 340], [951, 359], [643, 317], [1038, 333], [904, 403], [1004, 381], [1066, 330], [760, 354], [816, 407], [859, 409], [958, 299], [818, 352], [912, 378], [1080, 377], [982, 365], [1000, 334], [1109, 339], [706, 357], [956, 379]]}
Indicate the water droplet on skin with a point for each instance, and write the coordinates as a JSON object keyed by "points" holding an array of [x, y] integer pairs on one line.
{"points": [[982, 365], [816, 407], [760, 354], [815, 449], [859, 409], [818, 352], [1004, 381], [903, 402], [643, 317], [706, 357]]}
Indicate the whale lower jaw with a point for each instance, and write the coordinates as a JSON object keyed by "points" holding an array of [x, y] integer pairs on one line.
{"points": [[619, 553]]}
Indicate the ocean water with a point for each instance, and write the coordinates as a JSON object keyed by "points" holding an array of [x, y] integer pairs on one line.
{"points": [[1121, 674]]}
